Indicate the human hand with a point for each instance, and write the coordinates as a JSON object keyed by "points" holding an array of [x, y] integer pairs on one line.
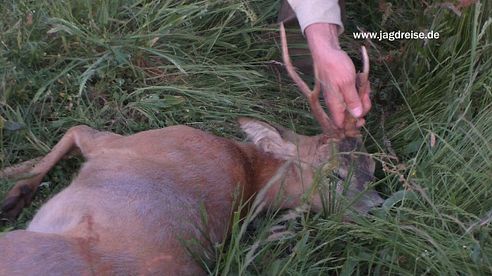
{"points": [[336, 73]]}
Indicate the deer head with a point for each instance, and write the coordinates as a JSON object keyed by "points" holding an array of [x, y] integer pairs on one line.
{"points": [[339, 150]]}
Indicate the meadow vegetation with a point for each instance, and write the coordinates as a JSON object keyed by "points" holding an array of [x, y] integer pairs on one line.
{"points": [[127, 66]]}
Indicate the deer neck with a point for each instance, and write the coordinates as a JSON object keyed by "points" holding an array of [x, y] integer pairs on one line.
{"points": [[263, 167]]}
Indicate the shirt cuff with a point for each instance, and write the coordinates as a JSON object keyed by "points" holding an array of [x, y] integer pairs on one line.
{"points": [[317, 11]]}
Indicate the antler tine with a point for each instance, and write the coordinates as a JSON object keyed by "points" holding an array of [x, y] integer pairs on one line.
{"points": [[350, 123], [290, 68], [365, 65], [363, 84], [312, 95]]}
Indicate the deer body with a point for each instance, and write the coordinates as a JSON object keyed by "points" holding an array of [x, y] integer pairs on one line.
{"points": [[136, 198], [133, 199]]}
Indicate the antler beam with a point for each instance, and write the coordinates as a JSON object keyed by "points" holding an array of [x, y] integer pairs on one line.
{"points": [[312, 95]]}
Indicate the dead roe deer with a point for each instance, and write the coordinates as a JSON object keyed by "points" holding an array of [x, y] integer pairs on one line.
{"points": [[137, 198]]}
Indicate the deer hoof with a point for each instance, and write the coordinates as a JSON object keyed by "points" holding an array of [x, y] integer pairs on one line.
{"points": [[18, 198]]}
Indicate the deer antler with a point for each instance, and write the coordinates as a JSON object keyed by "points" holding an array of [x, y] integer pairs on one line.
{"points": [[363, 86], [363, 77], [329, 129], [312, 95]]}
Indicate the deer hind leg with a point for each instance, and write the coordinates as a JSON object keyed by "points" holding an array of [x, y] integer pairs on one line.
{"points": [[81, 137]]}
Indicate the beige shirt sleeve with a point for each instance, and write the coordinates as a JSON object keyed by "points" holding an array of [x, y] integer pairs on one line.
{"points": [[317, 11]]}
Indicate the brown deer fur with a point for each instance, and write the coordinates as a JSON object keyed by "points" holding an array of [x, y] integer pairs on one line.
{"points": [[137, 197]]}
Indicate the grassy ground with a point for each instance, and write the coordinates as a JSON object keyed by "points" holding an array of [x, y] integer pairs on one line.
{"points": [[127, 66]]}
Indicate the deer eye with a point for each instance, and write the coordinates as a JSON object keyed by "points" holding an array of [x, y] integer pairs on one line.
{"points": [[338, 176], [325, 139]]}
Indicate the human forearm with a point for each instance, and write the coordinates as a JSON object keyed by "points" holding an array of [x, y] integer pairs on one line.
{"points": [[321, 24], [322, 36], [317, 11]]}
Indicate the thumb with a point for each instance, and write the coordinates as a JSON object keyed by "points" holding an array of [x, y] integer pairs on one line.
{"points": [[352, 99]]}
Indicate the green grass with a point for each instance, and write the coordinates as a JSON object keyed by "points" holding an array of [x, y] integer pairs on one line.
{"points": [[128, 66]]}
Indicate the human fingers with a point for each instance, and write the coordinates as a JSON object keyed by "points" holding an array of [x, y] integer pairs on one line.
{"points": [[335, 103], [352, 99]]}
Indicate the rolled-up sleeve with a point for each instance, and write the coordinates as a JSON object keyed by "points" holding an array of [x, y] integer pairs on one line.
{"points": [[317, 11]]}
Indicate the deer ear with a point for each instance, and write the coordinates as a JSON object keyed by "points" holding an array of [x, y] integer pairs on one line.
{"points": [[267, 138]]}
